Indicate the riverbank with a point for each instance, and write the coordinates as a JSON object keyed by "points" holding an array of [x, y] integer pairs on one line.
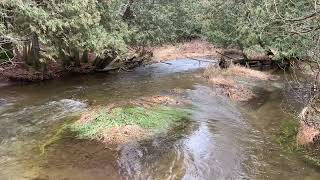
{"points": [[189, 49], [135, 57]]}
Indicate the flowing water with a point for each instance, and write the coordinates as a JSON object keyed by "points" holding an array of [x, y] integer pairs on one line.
{"points": [[223, 140]]}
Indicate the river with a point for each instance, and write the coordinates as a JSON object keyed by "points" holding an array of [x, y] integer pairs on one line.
{"points": [[223, 140]]}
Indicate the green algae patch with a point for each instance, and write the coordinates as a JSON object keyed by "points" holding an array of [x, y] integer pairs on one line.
{"points": [[58, 135], [287, 139], [288, 134], [108, 124], [60, 132]]}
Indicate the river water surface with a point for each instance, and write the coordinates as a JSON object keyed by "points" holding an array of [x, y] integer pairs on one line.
{"points": [[223, 140]]}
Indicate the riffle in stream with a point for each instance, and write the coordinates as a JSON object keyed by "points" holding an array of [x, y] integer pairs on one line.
{"points": [[222, 140]]}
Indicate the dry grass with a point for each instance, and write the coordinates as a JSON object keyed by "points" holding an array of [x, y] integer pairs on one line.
{"points": [[155, 100], [237, 71], [241, 94], [228, 87], [195, 48], [224, 81], [246, 72], [123, 134]]}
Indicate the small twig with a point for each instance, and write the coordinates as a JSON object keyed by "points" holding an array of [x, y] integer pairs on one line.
{"points": [[6, 62], [165, 62], [225, 55], [204, 60]]}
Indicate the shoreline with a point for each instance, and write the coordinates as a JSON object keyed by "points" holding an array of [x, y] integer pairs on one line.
{"points": [[23, 74]]}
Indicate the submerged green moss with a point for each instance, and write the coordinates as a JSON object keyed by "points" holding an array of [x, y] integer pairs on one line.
{"points": [[312, 159], [155, 118], [288, 141], [61, 131], [288, 134], [54, 138]]}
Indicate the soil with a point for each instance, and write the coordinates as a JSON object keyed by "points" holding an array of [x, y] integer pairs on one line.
{"points": [[306, 134], [21, 72]]}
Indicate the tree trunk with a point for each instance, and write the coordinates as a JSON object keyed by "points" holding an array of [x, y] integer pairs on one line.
{"points": [[101, 63], [26, 53], [76, 57], [85, 58], [35, 51], [17, 53]]}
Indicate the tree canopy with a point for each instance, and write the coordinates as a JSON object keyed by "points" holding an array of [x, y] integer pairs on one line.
{"points": [[289, 26], [63, 30]]}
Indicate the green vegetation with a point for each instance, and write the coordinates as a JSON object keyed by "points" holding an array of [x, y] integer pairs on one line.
{"points": [[155, 118], [288, 28], [312, 159], [58, 135], [288, 134], [66, 32], [287, 140], [166, 21]]}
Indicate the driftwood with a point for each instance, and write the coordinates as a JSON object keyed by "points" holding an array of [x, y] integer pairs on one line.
{"points": [[108, 69], [260, 60], [131, 61]]}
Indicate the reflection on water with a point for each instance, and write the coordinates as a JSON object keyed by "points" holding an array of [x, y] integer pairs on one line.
{"points": [[221, 141]]}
